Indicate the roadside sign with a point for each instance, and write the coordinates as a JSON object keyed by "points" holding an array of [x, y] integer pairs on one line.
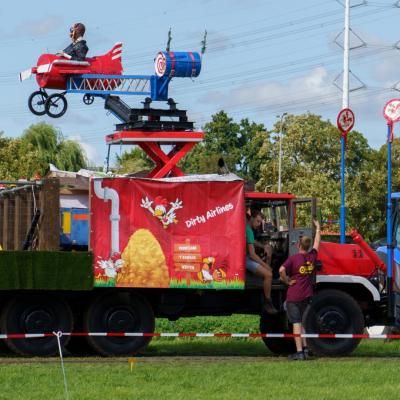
{"points": [[345, 121], [391, 111]]}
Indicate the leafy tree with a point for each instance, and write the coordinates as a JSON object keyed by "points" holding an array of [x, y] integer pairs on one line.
{"points": [[18, 159], [52, 148], [377, 187], [311, 167], [133, 161], [237, 143]]}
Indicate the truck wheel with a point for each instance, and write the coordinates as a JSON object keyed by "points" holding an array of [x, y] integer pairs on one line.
{"points": [[36, 314], [37, 101], [119, 312], [333, 311], [277, 324]]}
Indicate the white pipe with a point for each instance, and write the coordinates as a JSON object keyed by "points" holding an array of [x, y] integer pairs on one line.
{"points": [[346, 47], [105, 194]]}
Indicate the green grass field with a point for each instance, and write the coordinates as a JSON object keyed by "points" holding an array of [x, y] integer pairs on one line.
{"points": [[234, 369]]}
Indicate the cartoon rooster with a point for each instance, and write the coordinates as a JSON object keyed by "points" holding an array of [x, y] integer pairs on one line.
{"points": [[161, 211], [110, 267], [160, 207], [205, 274]]}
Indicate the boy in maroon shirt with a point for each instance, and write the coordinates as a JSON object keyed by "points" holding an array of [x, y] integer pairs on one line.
{"points": [[298, 273]]}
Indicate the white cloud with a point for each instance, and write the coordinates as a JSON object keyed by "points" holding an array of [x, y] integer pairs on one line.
{"points": [[317, 83], [90, 150], [386, 71]]}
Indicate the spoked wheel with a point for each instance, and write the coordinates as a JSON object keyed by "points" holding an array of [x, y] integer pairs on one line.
{"points": [[56, 105], [88, 99], [36, 314], [277, 324], [37, 102], [119, 312], [333, 312]]}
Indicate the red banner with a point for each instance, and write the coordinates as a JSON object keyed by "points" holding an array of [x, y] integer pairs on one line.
{"points": [[158, 233]]}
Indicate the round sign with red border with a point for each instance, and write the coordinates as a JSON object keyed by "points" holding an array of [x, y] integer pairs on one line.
{"points": [[345, 120], [391, 111]]}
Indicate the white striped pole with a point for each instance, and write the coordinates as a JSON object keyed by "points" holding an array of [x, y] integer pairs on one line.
{"points": [[15, 336]]}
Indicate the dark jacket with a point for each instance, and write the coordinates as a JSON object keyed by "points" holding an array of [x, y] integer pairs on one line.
{"points": [[77, 50]]}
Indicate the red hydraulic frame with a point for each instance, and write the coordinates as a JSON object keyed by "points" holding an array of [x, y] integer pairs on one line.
{"points": [[150, 142]]}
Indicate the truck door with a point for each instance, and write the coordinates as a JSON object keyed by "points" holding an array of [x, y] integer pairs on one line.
{"points": [[301, 213], [396, 240]]}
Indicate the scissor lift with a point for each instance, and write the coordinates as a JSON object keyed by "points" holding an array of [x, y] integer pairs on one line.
{"points": [[149, 129]]}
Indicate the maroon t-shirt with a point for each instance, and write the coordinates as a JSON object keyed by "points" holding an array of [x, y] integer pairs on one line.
{"points": [[300, 267]]}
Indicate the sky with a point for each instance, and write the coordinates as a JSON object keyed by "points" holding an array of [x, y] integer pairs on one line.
{"points": [[263, 58]]}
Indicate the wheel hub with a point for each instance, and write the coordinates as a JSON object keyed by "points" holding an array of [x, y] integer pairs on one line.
{"points": [[121, 320], [39, 321], [332, 321]]}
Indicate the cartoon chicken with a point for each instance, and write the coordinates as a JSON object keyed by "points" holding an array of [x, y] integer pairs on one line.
{"points": [[109, 268], [160, 207], [219, 274], [205, 274], [161, 211]]}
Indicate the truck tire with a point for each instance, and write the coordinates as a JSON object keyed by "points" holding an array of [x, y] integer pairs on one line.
{"points": [[277, 324], [333, 311], [119, 312], [36, 314]]}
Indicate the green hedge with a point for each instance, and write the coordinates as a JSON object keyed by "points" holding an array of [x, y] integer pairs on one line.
{"points": [[46, 270]]}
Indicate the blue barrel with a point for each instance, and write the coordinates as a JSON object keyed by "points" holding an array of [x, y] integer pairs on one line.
{"points": [[183, 64]]}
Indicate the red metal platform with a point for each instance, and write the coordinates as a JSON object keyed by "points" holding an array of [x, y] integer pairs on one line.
{"points": [[151, 142]]}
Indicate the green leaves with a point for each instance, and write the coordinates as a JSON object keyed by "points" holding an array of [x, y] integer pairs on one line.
{"points": [[51, 147], [133, 161], [40, 145], [18, 159], [311, 167], [310, 164], [238, 143]]}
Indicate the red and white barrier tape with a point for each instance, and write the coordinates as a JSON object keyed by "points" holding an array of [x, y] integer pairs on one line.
{"points": [[196, 334]]}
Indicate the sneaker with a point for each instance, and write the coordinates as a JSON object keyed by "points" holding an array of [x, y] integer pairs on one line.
{"points": [[298, 356], [269, 307]]}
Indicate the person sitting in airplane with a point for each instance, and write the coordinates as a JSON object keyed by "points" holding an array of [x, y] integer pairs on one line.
{"points": [[78, 49]]}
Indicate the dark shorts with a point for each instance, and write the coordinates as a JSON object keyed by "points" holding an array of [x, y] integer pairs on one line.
{"points": [[295, 310]]}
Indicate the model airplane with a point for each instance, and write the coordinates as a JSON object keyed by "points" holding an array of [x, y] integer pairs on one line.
{"points": [[54, 72], [102, 76]]}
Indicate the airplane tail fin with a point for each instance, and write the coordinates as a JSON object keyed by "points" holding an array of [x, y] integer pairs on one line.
{"points": [[115, 57], [116, 52]]}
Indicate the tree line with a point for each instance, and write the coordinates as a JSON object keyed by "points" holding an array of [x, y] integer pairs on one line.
{"points": [[310, 162], [310, 165], [31, 154]]}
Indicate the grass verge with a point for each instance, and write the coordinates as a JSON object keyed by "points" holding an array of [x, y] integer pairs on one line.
{"points": [[368, 374], [272, 377]]}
